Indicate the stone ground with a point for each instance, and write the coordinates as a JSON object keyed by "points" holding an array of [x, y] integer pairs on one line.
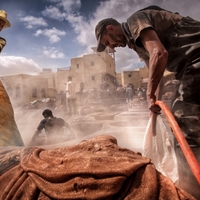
{"points": [[126, 125]]}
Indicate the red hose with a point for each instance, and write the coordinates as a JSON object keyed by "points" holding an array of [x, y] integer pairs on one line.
{"points": [[188, 153]]}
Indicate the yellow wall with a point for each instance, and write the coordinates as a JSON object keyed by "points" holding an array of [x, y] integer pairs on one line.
{"points": [[144, 72], [90, 68], [131, 77]]}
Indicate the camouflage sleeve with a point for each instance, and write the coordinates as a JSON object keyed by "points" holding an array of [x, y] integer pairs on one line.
{"points": [[2, 43]]}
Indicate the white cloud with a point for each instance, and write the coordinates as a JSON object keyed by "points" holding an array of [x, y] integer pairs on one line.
{"points": [[33, 22], [53, 34], [82, 29], [54, 13], [71, 5], [17, 65], [126, 59], [52, 53], [68, 7]]}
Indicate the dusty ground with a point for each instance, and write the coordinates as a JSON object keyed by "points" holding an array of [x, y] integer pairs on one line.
{"points": [[127, 126]]}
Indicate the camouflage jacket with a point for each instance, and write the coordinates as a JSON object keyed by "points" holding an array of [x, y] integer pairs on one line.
{"points": [[2, 43]]}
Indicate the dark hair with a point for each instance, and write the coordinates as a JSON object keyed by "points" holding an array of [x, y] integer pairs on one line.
{"points": [[100, 29], [47, 112], [101, 26]]}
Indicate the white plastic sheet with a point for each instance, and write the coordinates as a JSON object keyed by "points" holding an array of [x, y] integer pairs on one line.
{"points": [[160, 150]]}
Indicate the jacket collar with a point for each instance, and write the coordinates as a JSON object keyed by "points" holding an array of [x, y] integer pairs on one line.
{"points": [[127, 33]]}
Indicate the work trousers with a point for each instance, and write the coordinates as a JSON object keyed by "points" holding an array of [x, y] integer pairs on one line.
{"points": [[71, 106]]}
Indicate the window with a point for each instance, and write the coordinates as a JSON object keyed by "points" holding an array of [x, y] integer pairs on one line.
{"points": [[92, 63], [129, 74], [17, 91], [43, 93], [77, 66], [34, 93], [81, 87], [93, 78], [9, 90]]}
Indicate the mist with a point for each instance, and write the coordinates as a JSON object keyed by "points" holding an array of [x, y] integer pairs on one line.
{"points": [[127, 127]]}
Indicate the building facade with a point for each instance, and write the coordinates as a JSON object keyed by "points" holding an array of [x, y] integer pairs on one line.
{"points": [[135, 77], [23, 89], [95, 70]]}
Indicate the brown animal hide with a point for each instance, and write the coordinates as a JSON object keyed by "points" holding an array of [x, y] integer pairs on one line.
{"points": [[93, 170], [9, 133]]}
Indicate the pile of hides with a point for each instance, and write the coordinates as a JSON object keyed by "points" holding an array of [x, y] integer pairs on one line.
{"points": [[93, 169]]}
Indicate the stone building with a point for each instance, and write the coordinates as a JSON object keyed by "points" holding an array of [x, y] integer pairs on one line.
{"points": [[23, 89], [144, 75], [135, 77], [131, 77], [90, 70], [144, 72], [95, 70]]}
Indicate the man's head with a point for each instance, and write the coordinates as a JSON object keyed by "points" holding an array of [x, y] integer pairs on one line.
{"points": [[109, 33], [47, 113], [69, 78], [4, 23]]}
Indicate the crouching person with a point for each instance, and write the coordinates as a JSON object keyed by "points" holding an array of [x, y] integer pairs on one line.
{"points": [[56, 129]]}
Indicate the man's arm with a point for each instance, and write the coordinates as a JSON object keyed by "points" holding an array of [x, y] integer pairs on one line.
{"points": [[67, 87], [158, 56], [38, 131]]}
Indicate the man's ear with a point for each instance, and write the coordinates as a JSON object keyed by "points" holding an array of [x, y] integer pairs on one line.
{"points": [[110, 28]]}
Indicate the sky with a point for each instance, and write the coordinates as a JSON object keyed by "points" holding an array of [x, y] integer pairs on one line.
{"points": [[48, 33]]}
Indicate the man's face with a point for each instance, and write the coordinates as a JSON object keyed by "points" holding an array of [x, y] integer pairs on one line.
{"points": [[2, 23], [45, 115], [113, 39]]}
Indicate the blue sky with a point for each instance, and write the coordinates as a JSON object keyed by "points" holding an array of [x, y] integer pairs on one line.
{"points": [[48, 33]]}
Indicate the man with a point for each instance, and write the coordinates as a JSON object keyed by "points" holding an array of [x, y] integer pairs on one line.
{"points": [[71, 96], [164, 40], [9, 134], [4, 23], [129, 94], [141, 93], [53, 126]]}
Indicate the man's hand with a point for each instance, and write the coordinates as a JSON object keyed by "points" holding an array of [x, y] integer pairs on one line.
{"points": [[153, 107]]}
